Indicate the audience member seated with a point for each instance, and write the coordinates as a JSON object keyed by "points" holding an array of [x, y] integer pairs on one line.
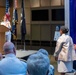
{"points": [[51, 67], [38, 64], [10, 65]]}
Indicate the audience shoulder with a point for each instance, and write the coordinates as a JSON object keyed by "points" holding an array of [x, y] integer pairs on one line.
{"points": [[24, 63]]}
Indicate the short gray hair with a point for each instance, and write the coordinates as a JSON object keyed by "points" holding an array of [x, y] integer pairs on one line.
{"points": [[8, 46], [38, 64], [64, 29]]}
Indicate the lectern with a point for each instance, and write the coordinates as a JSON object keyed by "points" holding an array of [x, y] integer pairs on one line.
{"points": [[3, 29]]}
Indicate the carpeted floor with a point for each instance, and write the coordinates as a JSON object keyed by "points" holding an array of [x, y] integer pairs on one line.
{"points": [[54, 63]]}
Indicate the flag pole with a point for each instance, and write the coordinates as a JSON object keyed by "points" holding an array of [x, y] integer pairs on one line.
{"points": [[14, 22], [21, 44], [23, 24], [24, 44], [16, 43]]}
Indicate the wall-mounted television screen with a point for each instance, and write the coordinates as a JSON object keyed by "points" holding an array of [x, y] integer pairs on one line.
{"points": [[58, 14], [40, 15]]}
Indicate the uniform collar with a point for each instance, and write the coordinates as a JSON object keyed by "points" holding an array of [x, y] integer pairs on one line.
{"points": [[64, 34], [10, 55]]}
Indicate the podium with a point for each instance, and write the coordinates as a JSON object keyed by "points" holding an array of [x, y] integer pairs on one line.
{"points": [[3, 29]]}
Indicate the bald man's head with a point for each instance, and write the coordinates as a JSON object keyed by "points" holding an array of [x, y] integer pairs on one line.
{"points": [[8, 47]]}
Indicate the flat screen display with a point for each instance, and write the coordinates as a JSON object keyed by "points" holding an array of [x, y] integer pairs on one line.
{"points": [[58, 14], [40, 15]]}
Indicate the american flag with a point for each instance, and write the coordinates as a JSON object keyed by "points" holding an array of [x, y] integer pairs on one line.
{"points": [[7, 12]]}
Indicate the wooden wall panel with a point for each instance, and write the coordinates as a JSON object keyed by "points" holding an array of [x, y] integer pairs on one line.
{"points": [[35, 3], [35, 32], [28, 28], [28, 31], [2, 2], [27, 3], [62, 2], [45, 2], [55, 2], [45, 32], [27, 15], [2, 9], [19, 3]]}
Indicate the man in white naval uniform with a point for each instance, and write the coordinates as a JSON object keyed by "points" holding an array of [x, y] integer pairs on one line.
{"points": [[6, 23]]}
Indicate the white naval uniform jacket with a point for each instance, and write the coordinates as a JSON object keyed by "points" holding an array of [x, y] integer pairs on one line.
{"points": [[64, 48]]}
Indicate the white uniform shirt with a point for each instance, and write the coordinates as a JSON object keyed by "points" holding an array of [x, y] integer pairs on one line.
{"points": [[64, 48], [11, 65]]}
